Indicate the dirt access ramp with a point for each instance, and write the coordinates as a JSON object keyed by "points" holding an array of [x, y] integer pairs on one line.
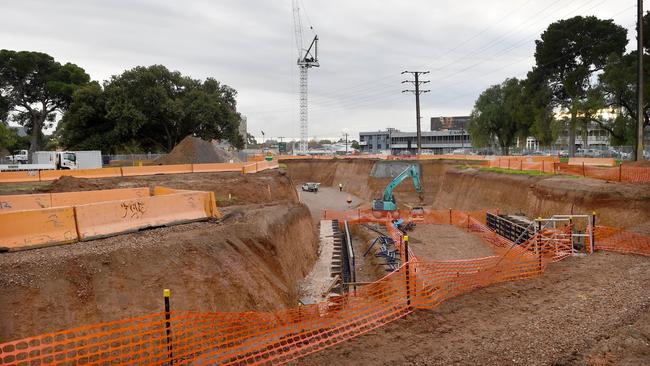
{"points": [[445, 186], [252, 260]]}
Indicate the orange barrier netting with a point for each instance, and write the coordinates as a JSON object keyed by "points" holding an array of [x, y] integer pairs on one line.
{"points": [[621, 173], [48, 175], [285, 335], [618, 240]]}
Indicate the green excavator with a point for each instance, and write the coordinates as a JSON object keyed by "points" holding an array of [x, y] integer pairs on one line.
{"points": [[387, 202]]}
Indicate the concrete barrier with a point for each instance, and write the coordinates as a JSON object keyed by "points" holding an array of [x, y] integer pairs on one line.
{"points": [[19, 202], [86, 197], [249, 168], [16, 177], [592, 161], [36, 228], [116, 217], [265, 165], [159, 191], [217, 167], [156, 169], [81, 173]]}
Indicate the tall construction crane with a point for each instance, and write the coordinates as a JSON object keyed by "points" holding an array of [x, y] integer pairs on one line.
{"points": [[307, 58]]}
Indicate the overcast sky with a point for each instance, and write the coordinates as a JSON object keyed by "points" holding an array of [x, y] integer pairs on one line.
{"points": [[364, 45]]}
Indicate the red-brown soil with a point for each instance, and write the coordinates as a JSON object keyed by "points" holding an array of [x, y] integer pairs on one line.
{"points": [[193, 150], [581, 311], [446, 242], [445, 186], [229, 188], [251, 260]]}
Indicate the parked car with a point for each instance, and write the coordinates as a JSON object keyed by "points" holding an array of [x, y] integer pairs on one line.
{"points": [[310, 187]]}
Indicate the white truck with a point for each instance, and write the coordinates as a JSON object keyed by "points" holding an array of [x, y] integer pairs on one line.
{"points": [[53, 160], [19, 157]]}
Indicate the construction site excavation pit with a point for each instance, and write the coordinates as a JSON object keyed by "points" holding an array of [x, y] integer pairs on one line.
{"points": [[259, 284]]}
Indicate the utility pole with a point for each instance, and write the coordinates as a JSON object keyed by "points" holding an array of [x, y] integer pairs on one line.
{"points": [[346, 144], [417, 91], [639, 81]]}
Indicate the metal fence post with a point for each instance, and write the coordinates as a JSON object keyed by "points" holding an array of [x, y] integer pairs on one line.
{"points": [[406, 267], [583, 169], [539, 244], [592, 238], [450, 222], [168, 325], [620, 169]]}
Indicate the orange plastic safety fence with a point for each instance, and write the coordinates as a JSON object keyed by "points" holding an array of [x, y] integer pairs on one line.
{"points": [[285, 335], [622, 173], [618, 240]]}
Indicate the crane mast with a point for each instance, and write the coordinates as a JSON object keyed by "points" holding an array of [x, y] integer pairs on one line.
{"points": [[307, 58]]}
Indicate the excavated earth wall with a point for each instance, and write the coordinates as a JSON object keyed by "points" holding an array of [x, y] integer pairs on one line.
{"points": [[251, 260], [447, 184]]}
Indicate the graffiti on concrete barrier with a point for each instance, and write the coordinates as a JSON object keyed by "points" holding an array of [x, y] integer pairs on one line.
{"points": [[133, 209], [4, 204], [55, 221]]}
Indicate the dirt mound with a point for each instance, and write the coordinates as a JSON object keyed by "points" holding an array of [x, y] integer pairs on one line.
{"points": [[193, 150], [70, 184]]}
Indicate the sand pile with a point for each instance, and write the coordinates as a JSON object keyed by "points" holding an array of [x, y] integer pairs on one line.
{"points": [[193, 150]]}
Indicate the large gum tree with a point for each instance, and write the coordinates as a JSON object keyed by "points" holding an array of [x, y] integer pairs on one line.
{"points": [[568, 55], [34, 87]]}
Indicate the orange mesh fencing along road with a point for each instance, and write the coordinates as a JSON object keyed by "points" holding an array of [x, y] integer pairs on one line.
{"points": [[184, 337], [622, 173], [17, 177], [217, 167], [80, 173], [128, 171]]}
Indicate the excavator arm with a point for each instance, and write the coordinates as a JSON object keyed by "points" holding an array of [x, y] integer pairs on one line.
{"points": [[388, 203]]}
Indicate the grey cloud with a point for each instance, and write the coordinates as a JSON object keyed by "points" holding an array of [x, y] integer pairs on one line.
{"points": [[249, 45]]}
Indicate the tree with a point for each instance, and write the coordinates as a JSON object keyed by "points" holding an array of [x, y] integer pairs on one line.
{"points": [[617, 89], [312, 144], [499, 115], [150, 109], [85, 125], [250, 140], [354, 144], [8, 137], [34, 87], [569, 53]]}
